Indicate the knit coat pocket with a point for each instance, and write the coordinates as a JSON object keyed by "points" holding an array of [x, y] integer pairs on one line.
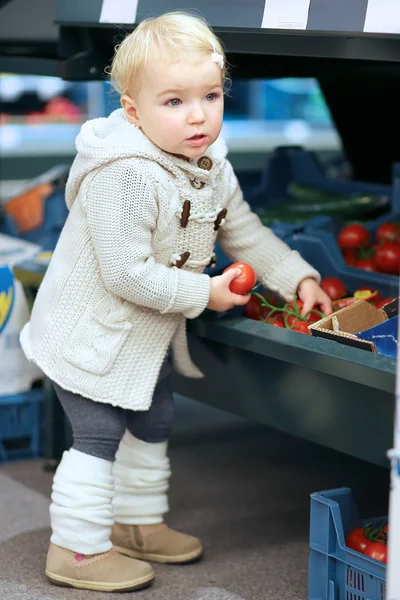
{"points": [[98, 337]]}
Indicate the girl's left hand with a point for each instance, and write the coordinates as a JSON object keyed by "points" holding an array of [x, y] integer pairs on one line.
{"points": [[310, 293]]}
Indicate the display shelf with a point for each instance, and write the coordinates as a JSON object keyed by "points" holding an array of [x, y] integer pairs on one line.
{"points": [[57, 139], [319, 390], [254, 136]]}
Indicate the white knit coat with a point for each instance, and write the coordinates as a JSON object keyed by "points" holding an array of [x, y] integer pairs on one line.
{"points": [[113, 300]]}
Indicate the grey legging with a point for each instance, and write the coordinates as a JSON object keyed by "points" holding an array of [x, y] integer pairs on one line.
{"points": [[98, 428]]}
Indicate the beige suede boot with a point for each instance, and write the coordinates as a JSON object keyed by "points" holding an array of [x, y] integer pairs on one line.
{"points": [[156, 543], [106, 572]]}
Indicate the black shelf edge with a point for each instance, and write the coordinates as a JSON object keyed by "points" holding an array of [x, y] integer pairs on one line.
{"points": [[279, 42]]}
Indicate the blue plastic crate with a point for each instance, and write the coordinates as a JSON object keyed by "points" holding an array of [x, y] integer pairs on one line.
{"points": [[20, 425], [335, 571], [55, 215], [289, 164], [321, 250]]}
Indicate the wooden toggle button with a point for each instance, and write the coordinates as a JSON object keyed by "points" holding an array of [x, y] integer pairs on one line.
{"points": [[185, 213], [221, 215], [184, 258]]}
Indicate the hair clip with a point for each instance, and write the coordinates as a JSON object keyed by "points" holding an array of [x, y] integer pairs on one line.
{"points": [[216, 57]]}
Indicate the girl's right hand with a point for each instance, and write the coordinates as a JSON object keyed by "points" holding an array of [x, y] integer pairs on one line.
{"points": [[221, 297]]}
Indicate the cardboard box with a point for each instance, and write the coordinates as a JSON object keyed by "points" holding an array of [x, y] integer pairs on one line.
{"points": [[343, 325]]}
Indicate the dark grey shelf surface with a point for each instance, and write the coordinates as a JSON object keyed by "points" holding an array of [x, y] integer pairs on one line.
{"points": [[324, 392]]}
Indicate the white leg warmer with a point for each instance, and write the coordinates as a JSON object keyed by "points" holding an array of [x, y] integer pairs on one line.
{"points": [[141, 473], [81, 511]]}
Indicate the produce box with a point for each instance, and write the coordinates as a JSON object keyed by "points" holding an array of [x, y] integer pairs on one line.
{"points": [[349, 325], [336, 572], [37, 213]]}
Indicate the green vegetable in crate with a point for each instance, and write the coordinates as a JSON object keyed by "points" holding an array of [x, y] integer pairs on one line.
{"points": [[305, 199]]}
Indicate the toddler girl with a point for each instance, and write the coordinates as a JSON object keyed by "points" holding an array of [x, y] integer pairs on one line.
{"points": [[149, 193]]}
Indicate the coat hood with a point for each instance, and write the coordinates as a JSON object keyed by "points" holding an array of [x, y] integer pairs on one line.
{"points": [[105, 140]]}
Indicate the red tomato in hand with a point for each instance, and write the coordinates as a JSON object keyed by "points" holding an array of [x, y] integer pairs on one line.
{"points": [[333, 287], [353, 236], [387, 232], [366, 264], [377, 551], [245, 282], [387, 258], [357, 541]]}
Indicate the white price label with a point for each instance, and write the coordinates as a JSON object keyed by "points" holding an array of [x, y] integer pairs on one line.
{"points": [[287, 14], [119, 11], [383, 16]]}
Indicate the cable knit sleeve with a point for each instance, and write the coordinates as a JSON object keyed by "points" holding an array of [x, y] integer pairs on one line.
{"points": [[122, 213], [244, 238]]}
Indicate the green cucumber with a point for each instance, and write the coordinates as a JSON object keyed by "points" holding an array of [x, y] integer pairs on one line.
{"points": [[302, 195]]}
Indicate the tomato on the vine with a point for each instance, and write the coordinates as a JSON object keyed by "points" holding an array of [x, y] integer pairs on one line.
{"points": [[254, 310], [377, 551], [300, 327], [276, 323], [353, 236], [245, 282]]}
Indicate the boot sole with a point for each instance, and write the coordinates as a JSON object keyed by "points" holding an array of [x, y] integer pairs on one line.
{"points": [[160, 558], [99, 586]]}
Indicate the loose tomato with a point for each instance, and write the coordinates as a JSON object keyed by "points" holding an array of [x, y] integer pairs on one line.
{"points": [[387, 232], [377, 551], [349, 258], [333, 287], [245, 281], [367, 264], [357, 541], [387, 258], [383, 302], [353, 236], [368, 294], [342, 303]]}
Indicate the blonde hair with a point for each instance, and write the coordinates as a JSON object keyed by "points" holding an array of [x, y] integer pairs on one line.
{"points": [[178, 32]]}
